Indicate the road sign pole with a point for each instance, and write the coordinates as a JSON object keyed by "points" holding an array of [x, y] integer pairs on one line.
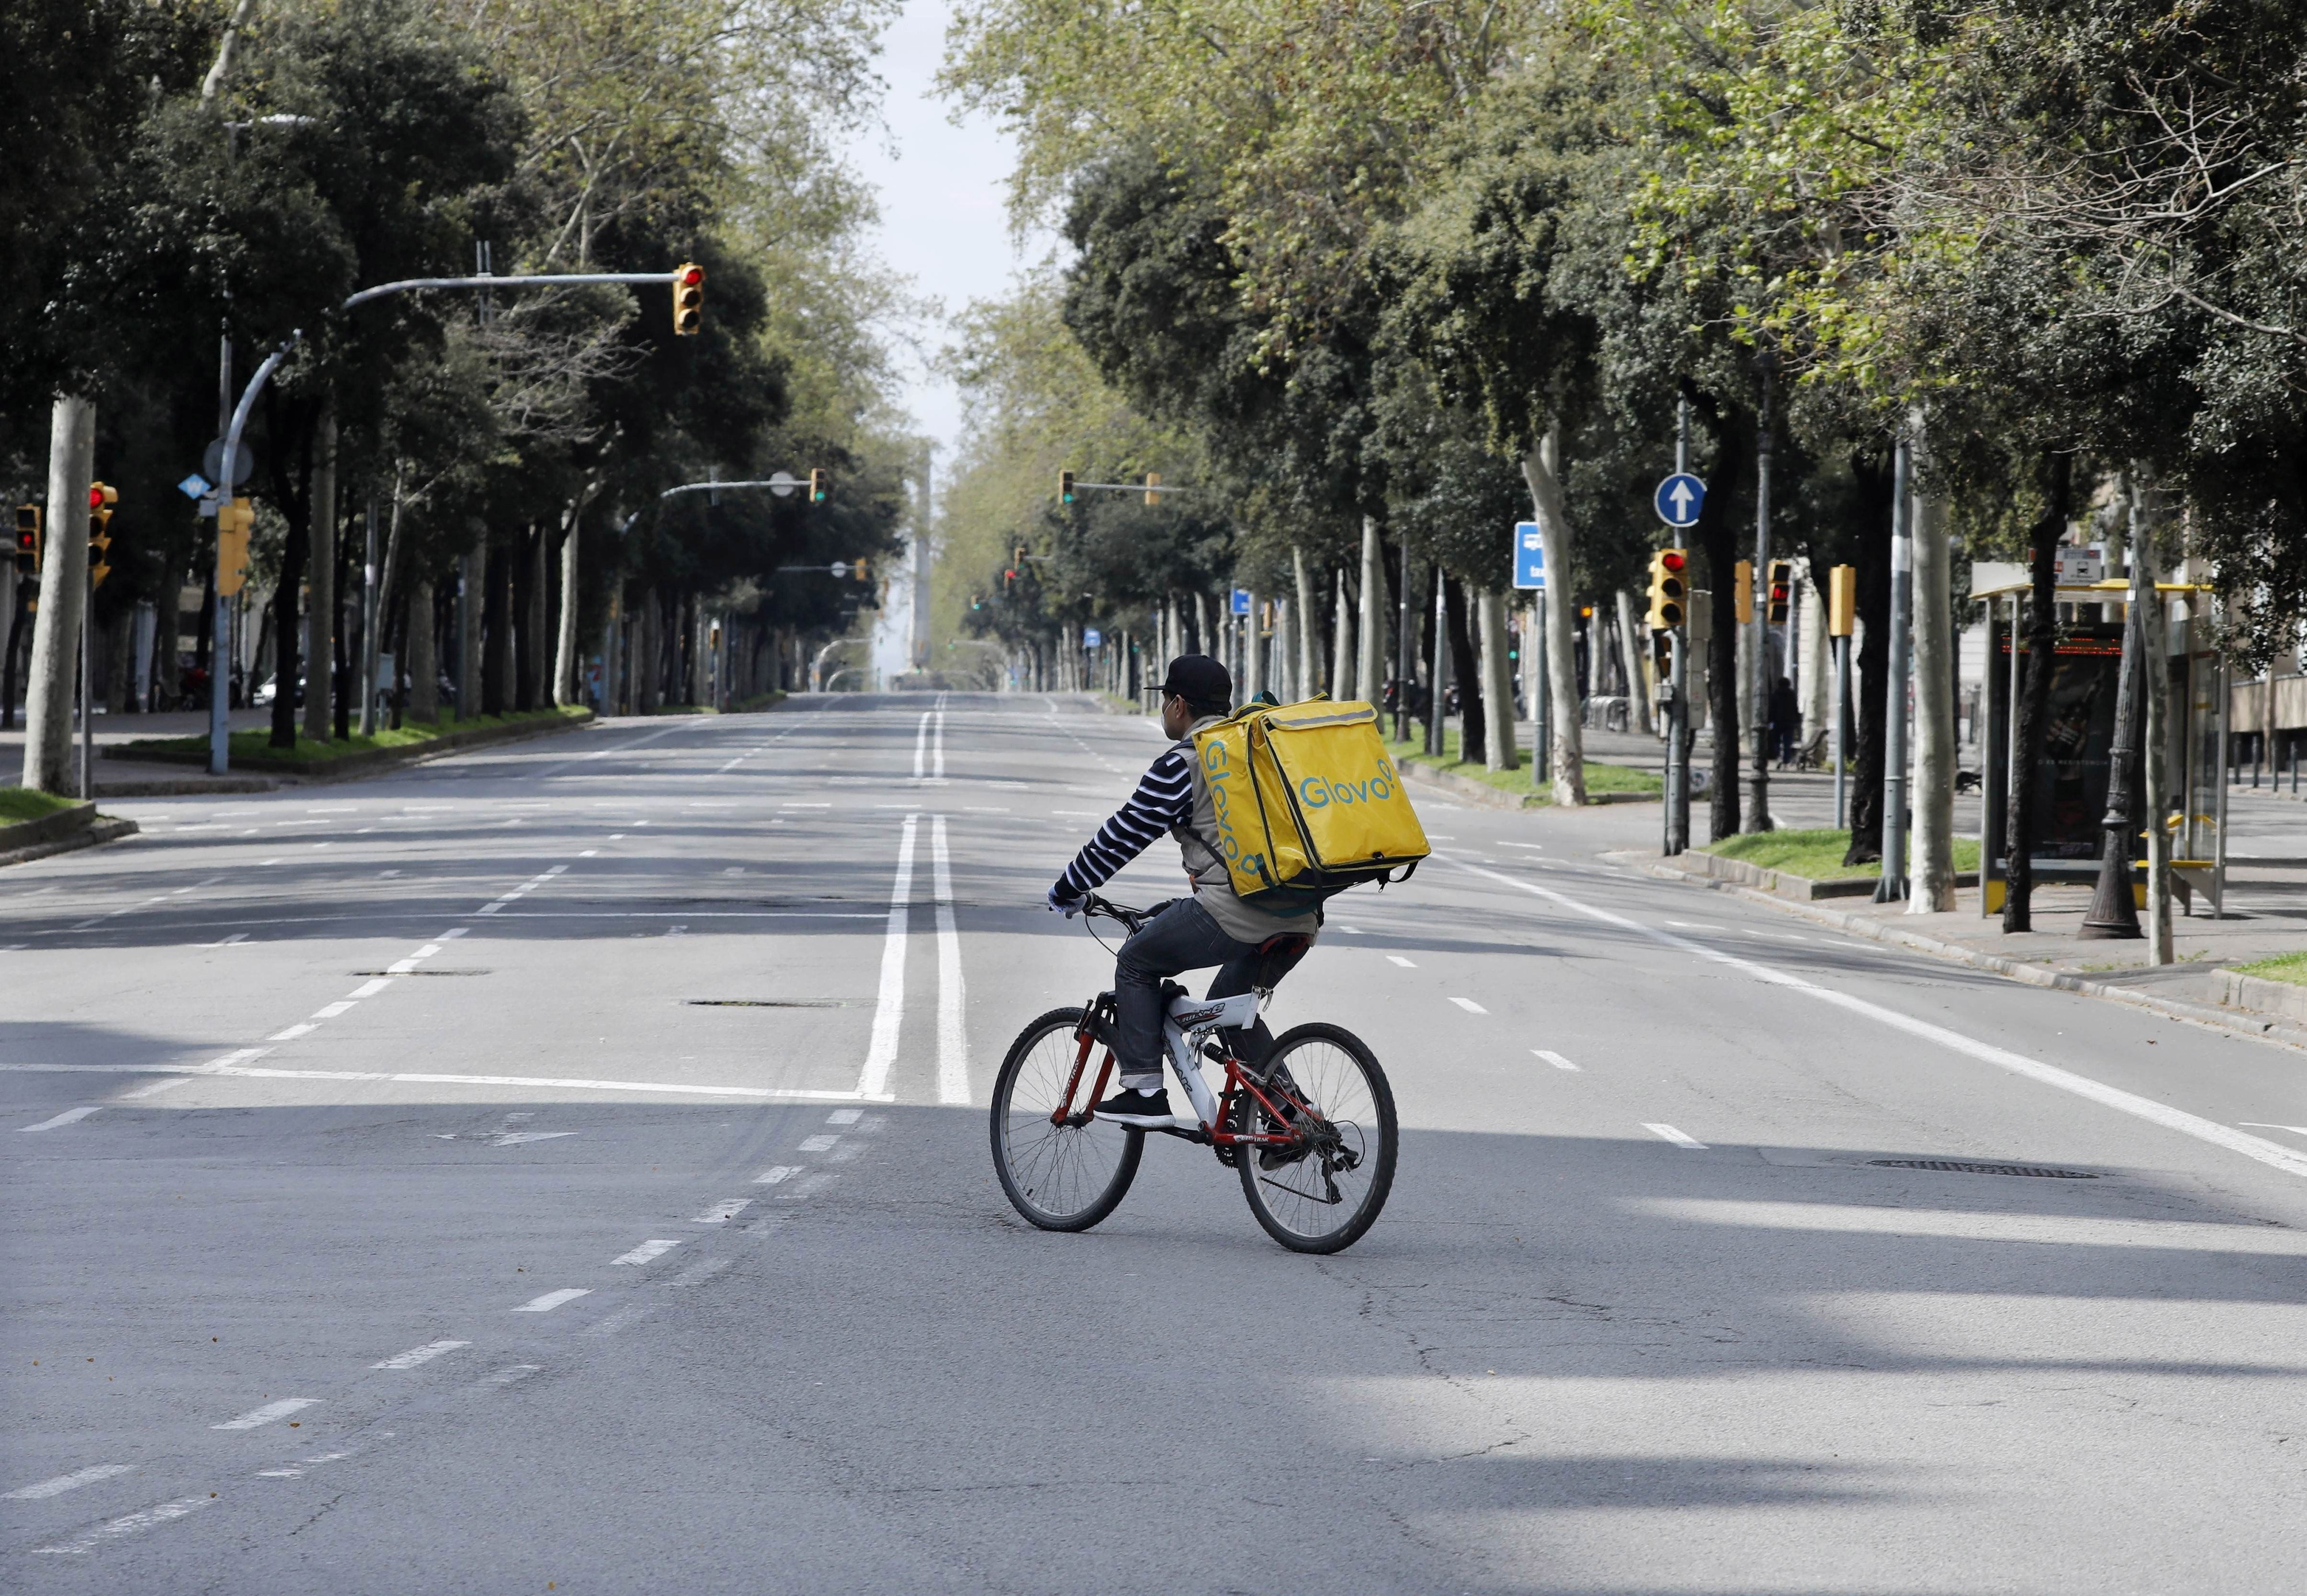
{"points": [[1758, 797]]}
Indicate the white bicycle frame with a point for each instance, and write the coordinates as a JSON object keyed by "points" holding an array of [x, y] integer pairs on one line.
{"points": [[1189, 1021]]}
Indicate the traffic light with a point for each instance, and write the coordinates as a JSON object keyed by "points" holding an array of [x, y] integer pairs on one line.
{"points": [[688, 299], [1662, 664], [234, 520], [1065, 487], [820, 485], [860, 573], [1782, 596], [1842, 601], [1153, 487], [27, 540], [101, 498], [1742, 587], [1669, 588]]}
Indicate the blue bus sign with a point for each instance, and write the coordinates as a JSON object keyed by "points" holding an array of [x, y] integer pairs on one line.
{"points": [[1529, 557], [1241, 601], [1678, 500]]}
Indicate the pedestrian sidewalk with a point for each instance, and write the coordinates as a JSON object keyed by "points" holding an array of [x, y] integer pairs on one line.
{"points": [[2055, 954], [135, 779]]}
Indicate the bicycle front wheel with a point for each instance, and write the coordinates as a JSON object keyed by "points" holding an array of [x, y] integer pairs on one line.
{"points": [[1062, 1176], [1325, 1191]]}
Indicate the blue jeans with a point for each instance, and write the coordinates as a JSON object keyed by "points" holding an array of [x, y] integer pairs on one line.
{"points": [[1183, 937]]}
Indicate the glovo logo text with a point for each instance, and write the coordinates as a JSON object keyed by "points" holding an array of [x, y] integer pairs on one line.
{"points": [[1319, 792], [1217, 769]]}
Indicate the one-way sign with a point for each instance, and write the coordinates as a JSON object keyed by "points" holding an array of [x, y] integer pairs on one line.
{"points": [[1678, 499]]}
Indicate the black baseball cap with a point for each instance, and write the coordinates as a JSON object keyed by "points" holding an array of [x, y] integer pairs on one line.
{"points": [[1202, 682]]}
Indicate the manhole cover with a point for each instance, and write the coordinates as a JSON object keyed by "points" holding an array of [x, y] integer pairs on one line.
{"points": [[1956, 1166], [766, 1003]]}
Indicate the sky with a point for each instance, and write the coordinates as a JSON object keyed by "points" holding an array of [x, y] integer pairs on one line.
{"points": [[942, 220]]}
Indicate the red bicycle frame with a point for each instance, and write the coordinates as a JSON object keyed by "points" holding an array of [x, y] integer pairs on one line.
{"points": [[1236, 1082]]}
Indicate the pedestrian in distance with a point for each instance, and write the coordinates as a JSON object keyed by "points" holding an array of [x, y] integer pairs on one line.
{"points": [[1786, 721]]}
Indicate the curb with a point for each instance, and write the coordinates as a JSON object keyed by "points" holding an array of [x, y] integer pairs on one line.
{"points": [[1797, 889], [2266, 1027], [100, 829], [370, 761], [222, 786]]}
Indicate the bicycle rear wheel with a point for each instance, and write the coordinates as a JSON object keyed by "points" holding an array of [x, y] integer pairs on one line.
{"points": [[1336, 1177], [1060, 1177]]}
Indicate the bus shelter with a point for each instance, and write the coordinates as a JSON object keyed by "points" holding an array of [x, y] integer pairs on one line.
{"points": [[2071, 778]]}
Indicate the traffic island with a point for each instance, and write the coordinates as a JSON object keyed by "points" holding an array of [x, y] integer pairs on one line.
{"points": [[34, 825], [1806, 865], [309, 760]]}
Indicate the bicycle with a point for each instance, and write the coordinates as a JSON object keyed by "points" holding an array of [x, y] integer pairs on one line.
{"points": [[1311, 1132]]}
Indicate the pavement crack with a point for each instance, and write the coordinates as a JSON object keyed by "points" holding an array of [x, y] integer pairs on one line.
{"points": [[318, 1514]]}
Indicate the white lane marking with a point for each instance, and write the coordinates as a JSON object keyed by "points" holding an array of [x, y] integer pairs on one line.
{"points": [[1555, 1059], [416, 1355], [155, 1089], [777, 1175], [1352, 930], [427, 951], [228, 941], [818, 1144], [937, 772], [646, 1252], [400, 967], [2271, 1153], [269, 1413], [130, 1525], [921, 748], [553, 1300], [65, 1482], [1078, 814], [292, 1032], [265, 862], [1395, 958], [1533, 847], [514, 1138], [2064, 1229], [722, 1211], [1470, 1006], [844, 1116], [808, 1187], [618, 1320], [953, 1014], [2263, 1125], [426, 1078], [332, 1011], [805, 806], [888, 1009], [1693, 925], [590, 853], [703, 1269], [69, 1117], [1678, 1138]]}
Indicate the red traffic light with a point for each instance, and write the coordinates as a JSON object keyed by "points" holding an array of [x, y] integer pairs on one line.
{"points": [[1671, 559], [690, 276]]}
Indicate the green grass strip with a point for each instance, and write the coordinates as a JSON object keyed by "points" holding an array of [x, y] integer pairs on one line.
{"points": [[2290, 967], [1816, 855], [1599, 778], [255, 747], [30, 803]]}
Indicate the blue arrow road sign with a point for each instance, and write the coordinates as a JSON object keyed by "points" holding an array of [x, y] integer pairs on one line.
{"points": [[1092, 637], [1678, 499], [1529, 557], [1241, 601]]}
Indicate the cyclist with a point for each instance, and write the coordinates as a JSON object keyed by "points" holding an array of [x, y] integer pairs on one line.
{"points": [[1251, 947]]}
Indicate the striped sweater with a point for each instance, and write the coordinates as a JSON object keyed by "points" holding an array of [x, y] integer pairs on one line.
{"points": [[1163, 803]]}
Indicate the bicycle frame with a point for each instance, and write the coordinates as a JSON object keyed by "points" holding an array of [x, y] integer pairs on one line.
{"points": [[1184, 1041]]}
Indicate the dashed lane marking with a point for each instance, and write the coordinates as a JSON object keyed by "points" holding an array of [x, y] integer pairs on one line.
{"points": [[646, 1252], [843, 1116], [818, 1144], [416, 1355], [69, 1117], [1395, 958], [65, 1482], [722, 1212], [160, 1514], [777, 1174], [1555, 1059], [553, 1300], [270, 1413], [1680, 1139], [1470, 1006]]}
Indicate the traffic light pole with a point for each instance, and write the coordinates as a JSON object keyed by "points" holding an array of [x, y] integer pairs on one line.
{"points": [[1758, 795]]}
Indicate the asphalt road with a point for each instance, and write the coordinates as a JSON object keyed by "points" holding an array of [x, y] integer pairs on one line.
{"points": [[564, 1167]]}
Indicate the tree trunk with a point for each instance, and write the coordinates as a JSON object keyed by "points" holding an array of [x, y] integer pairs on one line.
{"points": [[1630, 648], [320, 580], [64, 596], [1931, 792], [472, 587], [1465, 664], [1815, 683], [1369, 657], [2035, 689], [1498, 684], [1541, 469], [424, 666], [529, 596], [564, 662], [1342, 657], [1309, 641], [347, 679], [496, 628]]}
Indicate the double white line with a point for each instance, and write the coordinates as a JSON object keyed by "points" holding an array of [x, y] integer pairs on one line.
{"points": [[889, 1006], [929, 748]]}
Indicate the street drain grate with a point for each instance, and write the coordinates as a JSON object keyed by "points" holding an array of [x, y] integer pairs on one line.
{"points": [[1956, 1166], [767, 1003]]}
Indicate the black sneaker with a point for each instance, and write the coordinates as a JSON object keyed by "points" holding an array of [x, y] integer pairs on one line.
{"points": [[1147, 1111]]}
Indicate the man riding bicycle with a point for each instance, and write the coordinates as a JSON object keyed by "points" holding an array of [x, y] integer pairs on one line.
{"points": [[1251, 947]]}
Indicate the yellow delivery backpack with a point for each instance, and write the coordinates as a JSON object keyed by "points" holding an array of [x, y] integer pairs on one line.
{"points": [[1307, 802]]}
